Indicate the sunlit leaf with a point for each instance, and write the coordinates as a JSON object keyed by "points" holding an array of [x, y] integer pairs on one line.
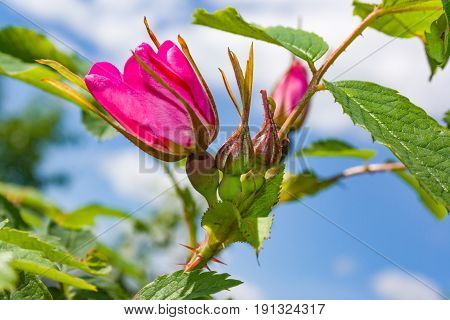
{"points": [[28, 46], [31, 73], [438, 210], [305, 45], [29, 287], [118, 261], [30, 198], [255, 230], [32, 261], [405, 23], [447, 119], [107, 289], [304, 184], [437, 44], [85, 216], [413, 136], [186, 286], [8, 276], [10, 212], [51, 252], [335, 148]]}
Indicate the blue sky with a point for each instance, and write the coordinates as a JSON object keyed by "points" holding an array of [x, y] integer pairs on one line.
{"points": [[307, 257]]}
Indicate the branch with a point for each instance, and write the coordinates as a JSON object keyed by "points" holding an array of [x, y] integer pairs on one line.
{"points": [[314, 86], [371, 168]]}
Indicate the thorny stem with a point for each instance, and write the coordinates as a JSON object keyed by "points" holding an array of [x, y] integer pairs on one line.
{"points": [[188, 213], [314, 85]]}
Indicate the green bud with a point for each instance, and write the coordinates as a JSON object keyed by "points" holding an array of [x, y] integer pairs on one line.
{"points": [[203, 175], [230, 188]]}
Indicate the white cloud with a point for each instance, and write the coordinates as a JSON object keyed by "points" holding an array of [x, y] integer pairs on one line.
{"points": [[139, 177], [397, 285]]}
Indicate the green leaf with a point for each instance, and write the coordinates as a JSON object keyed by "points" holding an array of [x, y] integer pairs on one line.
{"points": [[296, 187], [31, 73], [267, 196], [438, 210], [30, 198], [77, 242], [107, 289], [28, 46], [407, 3], [255, 230], [404, 24], [121, 264], [80, 242], [8, 276], [3, 223], [413, 136], [20, 47], [33, 261], [437, 45], [29, 287], [186, 286], [51, 273], [50, 251], [447, 118], [446, 6], [86, 215], [335, 148], [305, 45], [31, 218], [35, 74], [10, 212], [98, 127], [219, 219]]}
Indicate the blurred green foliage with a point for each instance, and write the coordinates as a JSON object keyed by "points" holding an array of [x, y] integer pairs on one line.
{"points": [[24, 139]]}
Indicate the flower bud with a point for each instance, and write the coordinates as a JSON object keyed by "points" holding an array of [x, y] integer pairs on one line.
{"points": [[160, 101], [266, 144], [203, 175], [235, 157], [288, 92]]}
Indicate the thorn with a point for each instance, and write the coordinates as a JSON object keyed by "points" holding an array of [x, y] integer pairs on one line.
{"points": [[188, 247], [218, 261]]}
